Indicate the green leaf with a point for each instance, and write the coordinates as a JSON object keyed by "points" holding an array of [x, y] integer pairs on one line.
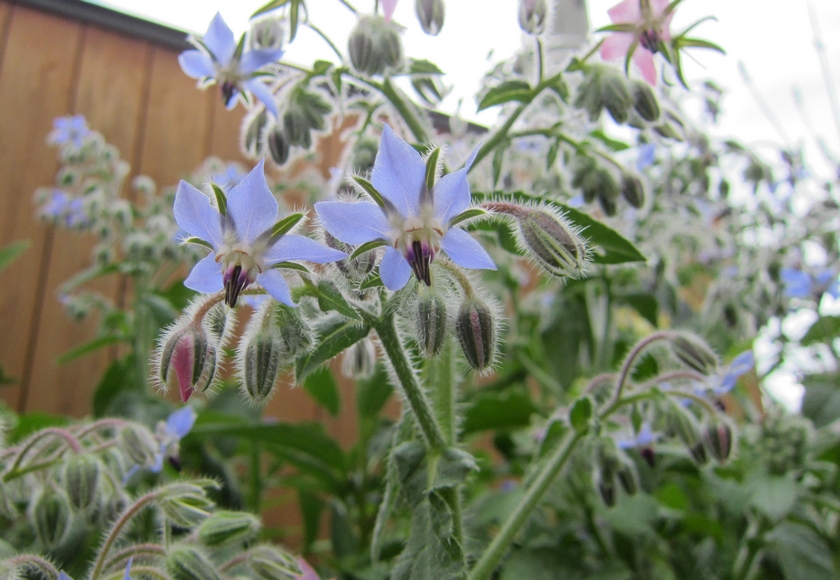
{"points": [[120, 378], [221, 200], [633, 515], [331, 298], [821, 402], [452, 468], [645, 304], [89, 347], [425, 67], [801, 552], [612, 144], [772, 495], [10, 253], [370, 190], [467, 214], [373, 393], [498, 160], [506, 92], [504, 410], [335, 334], [432, 552], [311, 507], [580, 414], [285, 225], [824, 330], [611, 247], [323, 388], [28, 423], [366, 247]]}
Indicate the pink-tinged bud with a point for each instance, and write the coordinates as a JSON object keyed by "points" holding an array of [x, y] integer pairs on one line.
{"points": [[476, 331], [718, 438], [188, 356], [430, 14]]}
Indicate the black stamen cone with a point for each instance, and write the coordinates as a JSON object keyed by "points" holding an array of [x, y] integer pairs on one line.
{"points": [[234, 286], [421, 263]]}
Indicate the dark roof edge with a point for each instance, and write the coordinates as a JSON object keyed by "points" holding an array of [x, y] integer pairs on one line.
{"points": [[112, 20]]}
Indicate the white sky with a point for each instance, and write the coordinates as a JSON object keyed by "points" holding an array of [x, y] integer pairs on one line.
{"points": [[773, 38]]}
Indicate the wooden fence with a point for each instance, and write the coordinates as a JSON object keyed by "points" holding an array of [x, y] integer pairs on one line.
{"points": [[133, 91]]}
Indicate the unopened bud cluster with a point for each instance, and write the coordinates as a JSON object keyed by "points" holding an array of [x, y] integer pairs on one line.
{"points": [[375, 46]]}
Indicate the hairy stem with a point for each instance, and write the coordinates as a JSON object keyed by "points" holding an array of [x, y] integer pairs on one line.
{"points": [[129, 513], [631, 358], [68, 437]]}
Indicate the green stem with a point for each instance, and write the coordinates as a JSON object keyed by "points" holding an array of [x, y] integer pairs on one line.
{"points": [[494, 553], [391, 93], [348, 6], [326, 39], [539, 56], [497, 137], [35, 562], [412, 391], [68, 437], [115, 531], [631, 358]]}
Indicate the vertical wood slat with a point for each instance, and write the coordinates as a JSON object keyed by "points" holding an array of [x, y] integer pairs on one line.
{"points": [[109, 95], [37, 76]]}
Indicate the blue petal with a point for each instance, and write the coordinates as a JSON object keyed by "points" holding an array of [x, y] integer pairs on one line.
{"points": [[62, 575], [354, 222], [465, 251], [196, 64], [260, 90], [292, 247], [179, 423], [645, 436], [254, 60], [196, 216], [274, 283], [128, 569], [219, 39], [797, 283], [394, 270], [206, 276], [742, 364], [451, 195], [399, 173], [251, 205]]}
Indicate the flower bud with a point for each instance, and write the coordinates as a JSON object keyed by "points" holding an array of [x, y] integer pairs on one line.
{"points": [[718, 438], [532, 16], [267, 33], [607, 204], [359, 360], [430, 14], [390, 45], [476, 332], [271, 563], [296, 336], [362, 48], [295, 128], [632, 189], [259, 366], [50, 516], [138, 443], [606, 488], [616, 96], [185, 504], [356, 270], [627, 477], [228, 527], [81, 480], [278, 146], [220, 322], [431, 323], [644, 101], [684, 426], [186, 355], [186, 563], [253, 129], [694, 353], [555, 244]]}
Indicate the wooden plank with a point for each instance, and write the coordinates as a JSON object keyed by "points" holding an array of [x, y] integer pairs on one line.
{"points": [[109, 94], [37, 76], [225, 130]]}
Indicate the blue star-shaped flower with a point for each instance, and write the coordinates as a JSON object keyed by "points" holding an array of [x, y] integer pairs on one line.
{"points": [[217, 60], [70, 130], [244, 239], [644, 438], [413, 221], [740, 365], [177, 426], [799, 284]]}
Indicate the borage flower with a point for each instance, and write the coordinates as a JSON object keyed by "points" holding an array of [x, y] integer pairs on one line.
{"points": [[248, 242], [639, 26], [642, 441], [69, 130], [219, 59], [740, 365], [413, 215], [799, 284], [177, 426]]}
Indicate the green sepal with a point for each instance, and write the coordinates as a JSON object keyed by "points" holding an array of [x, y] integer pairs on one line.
{"points": [[370, 190], [240, 46], [620, 27], [373, 282], [285, 225], [197, 242], [431, 168], [467, 214], [221, 199], [292, 266], [365, 248]]}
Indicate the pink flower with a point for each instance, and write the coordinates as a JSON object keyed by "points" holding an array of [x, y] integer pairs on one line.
{"points": [[647, 25], [308, 572], [388, 7]]}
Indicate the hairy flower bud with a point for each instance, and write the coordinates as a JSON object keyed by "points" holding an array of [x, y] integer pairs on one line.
{"points": [[627, 477], [359, 360], [271, 563], [607, 203], [476, 331], [606, 488], [694, 353], [431, 322], [186, 504], [260, 361], [186, 356], [50, 516], [228, 527], [295, 333], [683, 424], [81, 480], [253, 129], [616, 96], [375, 45], [718, 438], [278, 146], [138, 443], [532, 15], [552, 241], [430, 14], [187, 563], [357, 269], [267, 33], [644, 101], [632, 189]]}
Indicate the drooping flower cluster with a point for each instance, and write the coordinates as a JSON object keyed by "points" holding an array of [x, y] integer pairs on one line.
{"points": [[414, 216], [218, 59], [248, 242]]}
